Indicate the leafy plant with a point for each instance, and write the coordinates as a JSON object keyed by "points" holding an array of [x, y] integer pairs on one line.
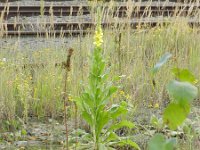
{"points": [[161, 62], [94, 107], [182, 92], [159, 142]]}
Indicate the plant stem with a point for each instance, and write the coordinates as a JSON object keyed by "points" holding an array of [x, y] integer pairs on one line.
{"points": [[67, 65]]}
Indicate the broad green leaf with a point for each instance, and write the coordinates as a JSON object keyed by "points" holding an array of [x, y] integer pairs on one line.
{"points": [[79, 103], [124, 142], [117, 110], [87, 117], [108, 93], [170, 144], [123, 123], [182, 91], [184, 75], [102, 147], [112, 90], [161, 62], [175, 114], [111, 136], [102, 120], [158, 142], [87, 99]]}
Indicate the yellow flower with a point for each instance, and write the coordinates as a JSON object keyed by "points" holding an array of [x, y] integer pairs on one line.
{"points": [[121, 92], [196, 81], [128, 97], [156, 105], [98, 37], [114, 95], [70, 98]]}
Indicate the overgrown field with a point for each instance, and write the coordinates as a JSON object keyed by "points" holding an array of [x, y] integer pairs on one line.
{"points": [[32, 81]]}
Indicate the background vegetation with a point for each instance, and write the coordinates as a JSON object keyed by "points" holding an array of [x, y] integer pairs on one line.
{"points": [[32, 80]]}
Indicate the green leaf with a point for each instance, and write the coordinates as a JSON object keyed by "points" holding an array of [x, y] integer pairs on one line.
{"points": [[111, 136], [117, 110], [23, 132], [182, 91], [102, 120], [161, 62], [175, 114], [170, 144], [124, 142], [123, 123], [154, 121], [112, 90], [86, 98], [108, 93], [158, 142], [87, 117], [184, 75], [102, 147]]}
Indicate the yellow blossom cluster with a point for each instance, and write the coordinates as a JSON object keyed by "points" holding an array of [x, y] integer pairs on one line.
{"points": [[70, 98], [98, 37], [127, 96], [156, 105]]}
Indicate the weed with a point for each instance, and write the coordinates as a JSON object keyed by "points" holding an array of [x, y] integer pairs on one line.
{"points": [[94, 103]]}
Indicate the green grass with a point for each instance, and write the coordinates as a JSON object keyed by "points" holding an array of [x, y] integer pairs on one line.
{"points": [[136, 58], [37, 90]]}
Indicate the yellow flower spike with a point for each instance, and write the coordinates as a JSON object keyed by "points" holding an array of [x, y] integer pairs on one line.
{"points": [[98, 37], [156, 105]]}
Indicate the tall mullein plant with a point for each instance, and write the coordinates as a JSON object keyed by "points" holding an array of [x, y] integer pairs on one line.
{"points": [[94, 100], [97, 78]]}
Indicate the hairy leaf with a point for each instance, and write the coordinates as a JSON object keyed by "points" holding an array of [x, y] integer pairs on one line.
{"points": [[123, 123], [158, 142], [117, 110], [86, 98], [175, 114], [87, 117], [108, 93], [184, 75], [102, 120], [111, 136], [124, 142], [182, 91]]}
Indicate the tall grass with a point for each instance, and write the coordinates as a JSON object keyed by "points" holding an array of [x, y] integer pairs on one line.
{"points": [[31, 80], [40, 80]]}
